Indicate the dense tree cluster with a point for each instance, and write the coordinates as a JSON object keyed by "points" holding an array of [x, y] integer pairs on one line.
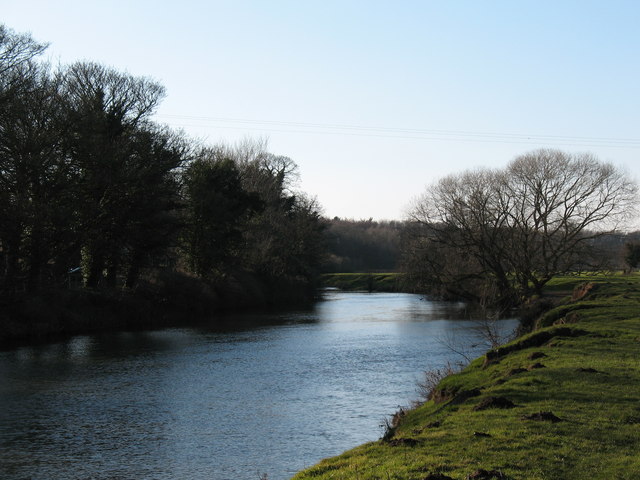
{"points": [[243, 213], [503, 234], [93, 192]]}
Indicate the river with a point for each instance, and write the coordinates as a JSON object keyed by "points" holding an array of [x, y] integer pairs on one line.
{"points": [[271, 393]]}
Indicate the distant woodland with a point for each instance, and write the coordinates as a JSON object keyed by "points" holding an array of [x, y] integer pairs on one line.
{"points": [[355, 246]]}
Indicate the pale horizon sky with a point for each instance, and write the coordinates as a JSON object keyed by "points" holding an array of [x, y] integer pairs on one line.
{"points": [[373, 100]]}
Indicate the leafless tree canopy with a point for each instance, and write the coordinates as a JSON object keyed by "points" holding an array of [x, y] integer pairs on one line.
{"points": [[510, 231], [16, 49], [122, 97]]}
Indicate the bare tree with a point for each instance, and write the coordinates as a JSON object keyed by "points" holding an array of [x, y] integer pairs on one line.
{"points": [[561, 203], [511, 231], [459, 232], [120, 98], [16, 49]]}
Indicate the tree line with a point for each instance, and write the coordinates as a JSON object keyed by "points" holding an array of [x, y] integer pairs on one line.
{"points": [[94, 192]]}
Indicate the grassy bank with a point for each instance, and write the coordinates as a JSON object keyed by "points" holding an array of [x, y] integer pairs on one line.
{"points": [[562, 402], [365, 282]]}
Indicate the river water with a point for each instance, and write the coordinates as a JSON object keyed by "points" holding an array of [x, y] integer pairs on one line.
{"points": [[270, 393]]}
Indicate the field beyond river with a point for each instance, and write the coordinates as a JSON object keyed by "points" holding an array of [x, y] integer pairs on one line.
{"points": [[562, 402]]}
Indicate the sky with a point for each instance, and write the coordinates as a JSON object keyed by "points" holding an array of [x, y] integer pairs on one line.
{"points": [[374, 100]]}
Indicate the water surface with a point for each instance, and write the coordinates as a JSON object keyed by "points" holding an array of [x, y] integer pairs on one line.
{"points": [[268, 394]]}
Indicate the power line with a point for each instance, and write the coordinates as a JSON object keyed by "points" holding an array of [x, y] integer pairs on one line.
{"points": [[402, 133]]}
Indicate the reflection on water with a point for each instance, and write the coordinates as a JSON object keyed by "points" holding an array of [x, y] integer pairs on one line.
{"points": [[268, 393]]}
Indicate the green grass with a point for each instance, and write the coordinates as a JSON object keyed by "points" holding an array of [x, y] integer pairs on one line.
{"points": [[368, 282], [598, 437]]}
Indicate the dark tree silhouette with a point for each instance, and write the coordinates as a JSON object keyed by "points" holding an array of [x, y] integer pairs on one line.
{"points": [[216, 207]]}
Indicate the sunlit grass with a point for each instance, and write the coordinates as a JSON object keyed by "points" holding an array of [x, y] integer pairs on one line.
{"points": [[590, 380], [378, 282]]}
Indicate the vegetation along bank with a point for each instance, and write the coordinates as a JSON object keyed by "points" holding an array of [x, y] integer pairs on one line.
{"points": [[561, 402], [366, 282]]}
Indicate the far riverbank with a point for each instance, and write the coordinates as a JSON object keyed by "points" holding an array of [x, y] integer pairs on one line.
{"points": [[169, 300], [367, 282]]}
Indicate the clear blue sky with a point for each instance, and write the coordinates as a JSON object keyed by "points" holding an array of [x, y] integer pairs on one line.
{"points": [[372, 99]]}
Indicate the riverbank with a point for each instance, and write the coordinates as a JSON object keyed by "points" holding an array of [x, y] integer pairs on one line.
{"points": [[366, 282], [169, 300], [562, 402]]}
